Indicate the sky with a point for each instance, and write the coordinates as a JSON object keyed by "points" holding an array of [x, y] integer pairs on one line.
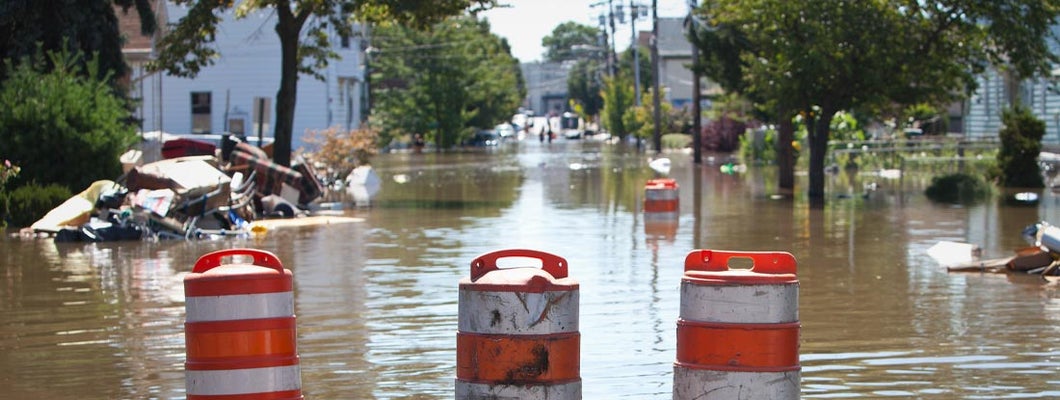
{"points": [[525, 22]]}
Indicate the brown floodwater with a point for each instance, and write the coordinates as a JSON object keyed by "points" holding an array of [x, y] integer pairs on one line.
{"points": [[376, 300]]}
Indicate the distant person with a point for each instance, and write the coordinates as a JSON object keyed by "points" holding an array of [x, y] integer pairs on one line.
{"points": [[541, 135], [548, 124], [418, 143]]}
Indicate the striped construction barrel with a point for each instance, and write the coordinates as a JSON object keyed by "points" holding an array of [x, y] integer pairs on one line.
{"points": [[738, 329], [660, 196], [518, 329], [240, 329]]}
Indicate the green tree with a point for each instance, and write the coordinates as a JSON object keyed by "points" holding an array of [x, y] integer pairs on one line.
{"points": [[816, 58], [570, 41], [618, 97], [625, 64], [443, 82], [305, 45], [640, 120], [64, 126], [85, 26], [583, 87], [1021, 142]]}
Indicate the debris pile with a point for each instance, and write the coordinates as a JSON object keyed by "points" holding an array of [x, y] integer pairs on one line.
{"points": [[184, 196], [1042, 257]]}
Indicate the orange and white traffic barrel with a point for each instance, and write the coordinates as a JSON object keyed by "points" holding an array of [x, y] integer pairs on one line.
{"points": [[240, 329], [660, 196], [661, 212], [738, 330], [518, 330]]}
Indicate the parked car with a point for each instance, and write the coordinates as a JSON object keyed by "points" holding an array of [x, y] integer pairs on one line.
{"points": [[505, 130], [521, 121], [484, 138], [569, 124]]}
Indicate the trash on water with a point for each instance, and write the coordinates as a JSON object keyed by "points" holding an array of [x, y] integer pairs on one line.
{"points": [[186, 197], [952, 253], [1041, 257]]}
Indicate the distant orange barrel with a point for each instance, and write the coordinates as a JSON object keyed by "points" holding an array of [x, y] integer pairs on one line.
{"points": [[738, 329], [518, 330], [240, 329], [660, 196]]}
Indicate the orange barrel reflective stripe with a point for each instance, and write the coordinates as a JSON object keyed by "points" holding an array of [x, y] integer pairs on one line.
{"points": [[660, 196], [240, 329], [518, 330], [738, 329]]}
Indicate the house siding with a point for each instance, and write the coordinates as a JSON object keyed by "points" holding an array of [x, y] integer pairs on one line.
{"points": [[249, 67], [984, 107], [983, 119]]}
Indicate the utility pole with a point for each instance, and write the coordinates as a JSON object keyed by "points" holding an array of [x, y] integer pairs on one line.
{"points": [[611, 51], [657, 136], [633, 13], [608, 44], [697, 118]]}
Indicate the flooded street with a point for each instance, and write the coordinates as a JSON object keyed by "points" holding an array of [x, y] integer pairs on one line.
{"points": [[376, 300]]}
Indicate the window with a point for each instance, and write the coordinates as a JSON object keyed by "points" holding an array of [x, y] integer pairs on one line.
{"points": [[201, 105]]}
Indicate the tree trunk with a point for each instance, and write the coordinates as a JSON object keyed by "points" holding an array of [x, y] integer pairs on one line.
{"points": [[785, 154], [288, 29], [819, 130]]}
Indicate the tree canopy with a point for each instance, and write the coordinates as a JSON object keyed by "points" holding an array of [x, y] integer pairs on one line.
{"points": [[816, 58], [86, 27], [443, 82], [303, 28], [584, 85], [618, 98], [570, 41]]}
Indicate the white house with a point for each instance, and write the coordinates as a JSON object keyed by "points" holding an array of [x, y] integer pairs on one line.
{"points": [[984, 107], [238, 93]]}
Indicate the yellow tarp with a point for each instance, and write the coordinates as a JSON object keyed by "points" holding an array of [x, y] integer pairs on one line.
{"points": [[75, 211]]}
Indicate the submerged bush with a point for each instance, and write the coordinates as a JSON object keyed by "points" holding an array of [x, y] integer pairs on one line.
{"points": [[29, 203], [958, 188], [676, 141]]}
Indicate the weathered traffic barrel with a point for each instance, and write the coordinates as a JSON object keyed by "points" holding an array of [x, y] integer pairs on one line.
{"points": [[738, 330], [660, 196], [518, 330], [240, 329]]}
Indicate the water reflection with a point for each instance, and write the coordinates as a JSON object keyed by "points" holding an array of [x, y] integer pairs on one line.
{"points": [[376, 299]]}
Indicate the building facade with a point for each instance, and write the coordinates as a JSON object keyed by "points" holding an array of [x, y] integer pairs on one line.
{"points": [[995, 94], [237, 94], [546, 87]]}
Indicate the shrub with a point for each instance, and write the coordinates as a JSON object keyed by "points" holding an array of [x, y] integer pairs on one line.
{"points": [[7, 171], [723, 134], [29, 203], [1021, 143], [341, 151], [958, 188], [759, 146], [60, 126], [676, 141]]}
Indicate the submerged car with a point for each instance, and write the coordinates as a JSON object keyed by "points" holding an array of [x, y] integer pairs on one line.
{"points": [[484, 138]]}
